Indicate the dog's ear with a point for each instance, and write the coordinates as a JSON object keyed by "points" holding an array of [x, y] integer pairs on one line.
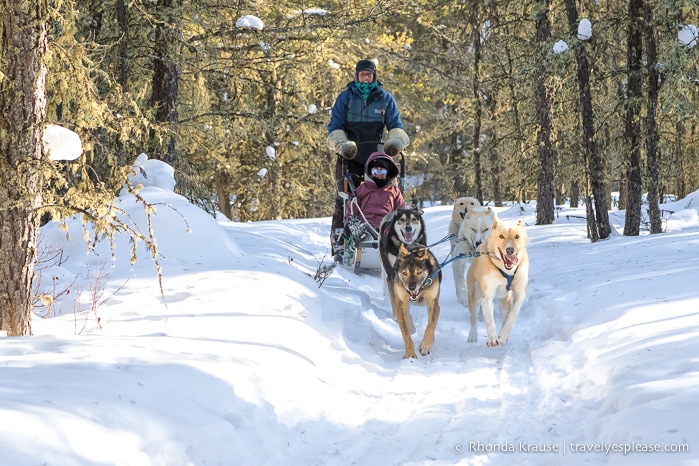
{"points": [[496, 221], [422, 254], [520, 224], [403, 251]]}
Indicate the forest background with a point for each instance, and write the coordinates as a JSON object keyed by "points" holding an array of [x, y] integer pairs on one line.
{"points": [[181, 81], [235, 95]]}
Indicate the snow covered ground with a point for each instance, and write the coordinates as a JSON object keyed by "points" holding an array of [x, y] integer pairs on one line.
{"points": [[249, 362]]}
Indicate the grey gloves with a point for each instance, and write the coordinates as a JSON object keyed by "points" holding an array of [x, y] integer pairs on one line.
{"points": [[396, 142], [347, 149], [338, 143], [392, 147]]}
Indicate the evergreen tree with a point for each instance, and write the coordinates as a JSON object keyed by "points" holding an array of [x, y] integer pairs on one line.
{"points": [[545, 194], [598, 224], [23, 48], [633, 114]]}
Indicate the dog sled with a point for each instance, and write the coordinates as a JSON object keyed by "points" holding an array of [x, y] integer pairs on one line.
{"points": [[361, 240]]}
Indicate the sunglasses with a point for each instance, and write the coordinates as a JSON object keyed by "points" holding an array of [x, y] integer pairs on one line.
{"points": [[378, 171]]}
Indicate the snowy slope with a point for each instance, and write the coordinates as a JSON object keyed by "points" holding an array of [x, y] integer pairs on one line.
{"points": [[249, 362]]}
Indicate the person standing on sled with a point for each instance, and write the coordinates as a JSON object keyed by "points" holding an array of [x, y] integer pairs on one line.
{"points": [[378, 195], [361, 114]]}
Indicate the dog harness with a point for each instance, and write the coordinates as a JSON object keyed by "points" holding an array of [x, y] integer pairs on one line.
{"points": [[508, 277]]}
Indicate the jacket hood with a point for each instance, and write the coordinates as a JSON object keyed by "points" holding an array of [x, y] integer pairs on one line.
{"points": [[392, 167]]}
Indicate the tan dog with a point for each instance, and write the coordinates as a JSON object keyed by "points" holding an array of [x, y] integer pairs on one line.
{"points": [[408, 283], [501, 272], [475, 229]]}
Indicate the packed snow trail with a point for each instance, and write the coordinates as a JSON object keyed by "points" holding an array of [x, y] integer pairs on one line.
{"points": [[459, 394], [467, 403]]}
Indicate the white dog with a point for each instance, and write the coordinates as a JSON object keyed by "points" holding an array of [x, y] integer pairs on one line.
{"points": [[501, 272], [461, 208], [475, 229]]}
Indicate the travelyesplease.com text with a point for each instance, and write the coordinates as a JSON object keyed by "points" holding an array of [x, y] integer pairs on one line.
{"points": [[571, 447]]}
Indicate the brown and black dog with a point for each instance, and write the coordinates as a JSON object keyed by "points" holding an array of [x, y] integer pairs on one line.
{"points": [[415, 278]]}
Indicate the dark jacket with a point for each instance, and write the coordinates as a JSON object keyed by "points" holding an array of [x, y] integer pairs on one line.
{"points": [[373, 201], [364, 121]]}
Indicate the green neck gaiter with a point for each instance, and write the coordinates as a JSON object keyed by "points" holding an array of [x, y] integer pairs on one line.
{"points": [[365, 89]]}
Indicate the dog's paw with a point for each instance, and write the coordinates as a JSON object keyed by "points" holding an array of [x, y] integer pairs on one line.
{"points": [[473, 334], [463, 298], [492, 342], [426, 347], [409, 354], [502, 339]]}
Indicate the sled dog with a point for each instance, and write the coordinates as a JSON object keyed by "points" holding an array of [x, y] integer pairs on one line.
{"points": [[474, 229], [500, 272], [461, 207], [415, 278], [402, 226]]}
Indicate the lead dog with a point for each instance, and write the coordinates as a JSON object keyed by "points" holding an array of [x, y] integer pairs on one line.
{"points": [[475, 228], [415, 278], [402, 226], [501, 272]]}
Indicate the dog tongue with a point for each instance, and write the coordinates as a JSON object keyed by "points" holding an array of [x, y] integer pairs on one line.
{"points": [[409, 236], [511, 260]]}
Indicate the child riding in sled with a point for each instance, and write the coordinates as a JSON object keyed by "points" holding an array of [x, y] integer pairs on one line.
{"points": [[377, 195]]}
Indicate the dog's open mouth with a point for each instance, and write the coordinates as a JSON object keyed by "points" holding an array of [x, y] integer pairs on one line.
{"points": [[414, 294], [408, 235], [510, 260]]}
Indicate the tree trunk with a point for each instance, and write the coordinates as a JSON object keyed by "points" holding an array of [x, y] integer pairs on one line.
{"points": [[492, 145], [22, 115], [681, 189], [166, 73], [273, 98], [123, 154], [633, 124], [545, 194], [595, 160], [651, 124], [224, 201], [592, 231], [478, 111], [124, 59], [574, 194], [512, 86]]}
